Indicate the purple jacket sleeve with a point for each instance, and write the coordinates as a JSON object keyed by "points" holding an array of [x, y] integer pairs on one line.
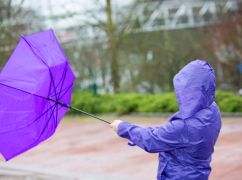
{"points": [[167, 137]]}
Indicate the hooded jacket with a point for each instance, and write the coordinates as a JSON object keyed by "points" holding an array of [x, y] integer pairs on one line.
{"points": [[186, 141]]}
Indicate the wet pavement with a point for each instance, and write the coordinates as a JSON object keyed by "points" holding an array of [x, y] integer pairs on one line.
{"points": [[90, 150]]}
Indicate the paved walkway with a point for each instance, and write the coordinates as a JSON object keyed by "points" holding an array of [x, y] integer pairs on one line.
{"points": [[91, 151]]}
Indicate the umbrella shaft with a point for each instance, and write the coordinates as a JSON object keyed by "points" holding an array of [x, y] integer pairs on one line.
{"points": [[78, 110], [89, 114]]}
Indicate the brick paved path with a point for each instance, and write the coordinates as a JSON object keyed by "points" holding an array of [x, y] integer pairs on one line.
{"points": [[91, 151]]}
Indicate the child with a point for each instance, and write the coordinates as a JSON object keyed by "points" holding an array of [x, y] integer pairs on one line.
{"points": [[185, 142]]}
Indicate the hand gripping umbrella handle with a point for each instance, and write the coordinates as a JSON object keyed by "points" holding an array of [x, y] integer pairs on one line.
{"points": [[78, 110]]}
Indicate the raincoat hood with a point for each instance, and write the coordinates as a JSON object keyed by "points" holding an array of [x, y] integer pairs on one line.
{"points": [[194, 87]]}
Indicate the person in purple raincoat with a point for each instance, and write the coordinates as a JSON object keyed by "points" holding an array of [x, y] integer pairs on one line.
{"points": [[186, 141]]}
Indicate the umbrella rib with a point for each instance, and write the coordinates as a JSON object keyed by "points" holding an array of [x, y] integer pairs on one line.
{"points": [[56, 115], [52, 81], [31, 47], [60, 103], [78, 110], [36, 141], [37, 94], [24, 91], [64, 90], [31, 122], [52, 112], [62, 76], [62, 83]]}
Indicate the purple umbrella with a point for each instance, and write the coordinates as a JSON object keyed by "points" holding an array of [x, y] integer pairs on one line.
{"points": [[35, 86]]}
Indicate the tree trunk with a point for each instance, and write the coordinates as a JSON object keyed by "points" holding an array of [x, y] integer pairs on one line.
{"points": [[113, 47]]}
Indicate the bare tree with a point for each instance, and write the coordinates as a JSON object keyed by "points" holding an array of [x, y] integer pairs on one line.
{"points": [[113, 46]]}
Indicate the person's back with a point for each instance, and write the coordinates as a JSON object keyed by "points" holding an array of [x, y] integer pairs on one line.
{"points": [[193, 160], [185, 143]]}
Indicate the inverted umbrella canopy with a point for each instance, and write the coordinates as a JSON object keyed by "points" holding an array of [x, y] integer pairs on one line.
{"points": [[35, 87]]}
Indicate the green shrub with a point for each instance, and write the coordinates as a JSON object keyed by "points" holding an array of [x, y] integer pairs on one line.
{"points": [[221, 95], [231, 104], [85, 101], [106, 104], [128, 103], [146, 103], [158, 103]]}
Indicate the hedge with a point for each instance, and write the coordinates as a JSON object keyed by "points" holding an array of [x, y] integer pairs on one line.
{"points": [[127, 103]]}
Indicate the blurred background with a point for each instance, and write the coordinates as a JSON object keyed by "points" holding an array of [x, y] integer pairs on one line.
{"points": [[125, 54], [133, 45]]}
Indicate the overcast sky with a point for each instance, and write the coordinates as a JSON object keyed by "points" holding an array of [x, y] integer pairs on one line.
{"points": [[47, 7], [50, 8]]}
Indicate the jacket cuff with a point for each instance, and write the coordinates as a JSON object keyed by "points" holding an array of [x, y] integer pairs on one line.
{"points": [[122, 129]]}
